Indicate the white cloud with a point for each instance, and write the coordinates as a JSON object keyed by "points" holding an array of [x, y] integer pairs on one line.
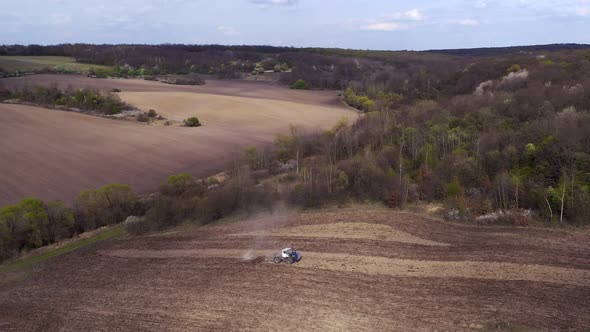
{"points": [[394, 21], [230, 31], [410, 15], [466, 21], [414, 15], [386, 26]]}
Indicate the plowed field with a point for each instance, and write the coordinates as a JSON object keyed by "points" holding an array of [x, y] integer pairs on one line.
{"points": [[362, 270]]}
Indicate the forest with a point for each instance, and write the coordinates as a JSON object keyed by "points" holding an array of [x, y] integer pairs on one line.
{"points": [[498, 139]]}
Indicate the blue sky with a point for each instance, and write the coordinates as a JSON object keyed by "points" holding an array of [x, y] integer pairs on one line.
{"points": [[380, 24]]}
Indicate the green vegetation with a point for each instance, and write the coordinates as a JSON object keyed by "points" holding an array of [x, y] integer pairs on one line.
{"points": [[37, 64], [258, 69], [184, 80], [106, 205], [83, 99], [26, 225], [300, 85], [176, 185], [362, 103], [106, 234], [192, 122], [513, 68], [32, 223], [279, 68], [382, 101], [23, 226], [547, 62], [60, 221]]}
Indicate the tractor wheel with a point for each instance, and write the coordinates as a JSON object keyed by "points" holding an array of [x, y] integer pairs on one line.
{"points": [[277, 260], [290, 260]]}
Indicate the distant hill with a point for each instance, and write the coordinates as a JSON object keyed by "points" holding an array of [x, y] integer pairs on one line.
{"points": [[492, 51]]}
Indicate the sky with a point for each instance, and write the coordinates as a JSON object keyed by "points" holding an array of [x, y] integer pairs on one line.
{"points": [[369, 24]]}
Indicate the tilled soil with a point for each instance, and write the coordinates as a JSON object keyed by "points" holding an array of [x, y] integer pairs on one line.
{"points": [[349, 230], [221, 278], [54, 155], [238, 88]]}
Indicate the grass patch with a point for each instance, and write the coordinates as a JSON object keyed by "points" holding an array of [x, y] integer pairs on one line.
{"points": [[39, 63], [24, 262]]}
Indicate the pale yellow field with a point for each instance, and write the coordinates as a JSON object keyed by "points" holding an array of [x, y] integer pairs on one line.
{"points": [[262, 116]]}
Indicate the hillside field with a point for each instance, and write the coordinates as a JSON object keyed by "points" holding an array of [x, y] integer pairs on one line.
{"points": [[363, 269], [25, 64], [55, 154]]}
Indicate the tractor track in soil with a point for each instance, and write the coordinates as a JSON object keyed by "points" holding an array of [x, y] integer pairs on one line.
{"points": [[197, 279]]}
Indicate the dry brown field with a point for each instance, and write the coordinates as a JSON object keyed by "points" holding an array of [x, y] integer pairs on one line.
{"points": [[238, 88], [362, 270], [55, 154]]}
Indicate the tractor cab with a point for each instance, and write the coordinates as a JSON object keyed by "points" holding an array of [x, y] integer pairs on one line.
{"points": [[286, 253]]}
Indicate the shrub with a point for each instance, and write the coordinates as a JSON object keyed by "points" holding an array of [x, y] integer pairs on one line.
{"points": [[152, 113], [453, 188], [143, 117], [176, 185], [192, 80], [31, 224], [60, 221], [513, 68], [103, 72], [104, 206], [192, 122], [27, 222], [362, 102], [168, 211], [258, 69], [5, 240], [300, 85], [84, 99]]}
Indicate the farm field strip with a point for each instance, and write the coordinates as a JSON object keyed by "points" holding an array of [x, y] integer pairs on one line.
{"points": [[350, 230], [375, 265], [33, 63], [237, 88], [242, 113], [199, 278]]}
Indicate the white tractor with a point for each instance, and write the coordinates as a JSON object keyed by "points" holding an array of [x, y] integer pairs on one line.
{"points": [[287, 255]]}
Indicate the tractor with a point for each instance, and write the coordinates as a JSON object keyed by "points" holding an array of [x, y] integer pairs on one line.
{"points": [[287, 255]]}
